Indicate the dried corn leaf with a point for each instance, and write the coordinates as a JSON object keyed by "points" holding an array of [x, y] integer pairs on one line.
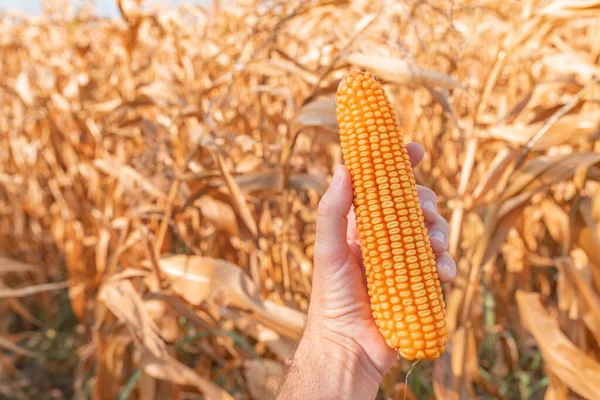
{"points": [[319, 112], [588, 236], [544, 171], [571, 9], [238, 197], [6, 344], [127, 176], [556, 219], [400, 71], [274, 68], [589, 300], [23, 88], [30, 290], [8, 265], [161, 93], [219, 213], [571, 63], [248, 164], [556, 390], [122, 299], [568, 130], [198, 278], [574, 367], [279, 345], [271, 180]]}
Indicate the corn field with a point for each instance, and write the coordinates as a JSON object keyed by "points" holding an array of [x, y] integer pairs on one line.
{"points": [[160, 174]]}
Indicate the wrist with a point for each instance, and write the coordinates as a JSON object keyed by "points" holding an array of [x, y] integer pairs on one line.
{"points": [[327, 365], [344, 353]]}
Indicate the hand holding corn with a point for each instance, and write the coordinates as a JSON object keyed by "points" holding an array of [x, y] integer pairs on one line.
{"points": [[376, 290]]}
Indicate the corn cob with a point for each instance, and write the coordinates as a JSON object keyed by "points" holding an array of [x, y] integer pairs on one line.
{"points": [[402, 280]]}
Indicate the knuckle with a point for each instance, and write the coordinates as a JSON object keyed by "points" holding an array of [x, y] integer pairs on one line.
{"points": [[443, 223], [325, 208], [426, 193]]}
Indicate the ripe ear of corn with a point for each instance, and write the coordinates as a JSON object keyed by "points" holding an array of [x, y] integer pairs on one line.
{"points": [[402, 280]]}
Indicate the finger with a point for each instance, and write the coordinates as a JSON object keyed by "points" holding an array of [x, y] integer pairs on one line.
{"points": [[428, 200], [332, 220], [438, 233], [416, 153], [446, 267]]}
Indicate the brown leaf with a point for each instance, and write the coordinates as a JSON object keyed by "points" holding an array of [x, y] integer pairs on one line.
{"points": [[219, 213], [238, 197], [459, 350], [556, 220], [197, 278], [111, 350], [102, 250], [10, 346], [279, 345], [400, 71], [442, 98], [318, 183], [556, 390], [516, 110], [270, 180], [161, 93], [588, 299], [257, 181], [495, 169], [571, 63], [8, 265], [319, 112], [30, 290], [574, 367], [500, 229], [248, 164], [545, 171], [23, 88], [571, 9], [122, 300], [568, 129], [588, 236], [130, 9], [443, 378], [165, 318], [275, 68], [127, 176]]}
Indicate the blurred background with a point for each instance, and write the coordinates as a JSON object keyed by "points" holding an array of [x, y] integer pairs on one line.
{"points": [[161, 165], [103, 8]]}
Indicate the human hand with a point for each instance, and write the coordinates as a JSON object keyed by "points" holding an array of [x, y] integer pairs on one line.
{"points": [[340, 328]]}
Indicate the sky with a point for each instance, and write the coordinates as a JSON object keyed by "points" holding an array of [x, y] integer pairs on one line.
{"points": [[106, 8]]}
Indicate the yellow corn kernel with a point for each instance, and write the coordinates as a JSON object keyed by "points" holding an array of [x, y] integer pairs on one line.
{"points": [[407, 300]]}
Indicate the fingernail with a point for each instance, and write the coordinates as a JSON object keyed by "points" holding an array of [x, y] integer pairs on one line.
{"points": [[428, 205], [439, 236], [337, 176]]}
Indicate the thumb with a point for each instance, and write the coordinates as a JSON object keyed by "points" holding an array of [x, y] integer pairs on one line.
{"points": [[331, 246]]}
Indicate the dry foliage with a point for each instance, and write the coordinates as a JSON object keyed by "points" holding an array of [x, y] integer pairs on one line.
{"points": [[167, 166]]}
